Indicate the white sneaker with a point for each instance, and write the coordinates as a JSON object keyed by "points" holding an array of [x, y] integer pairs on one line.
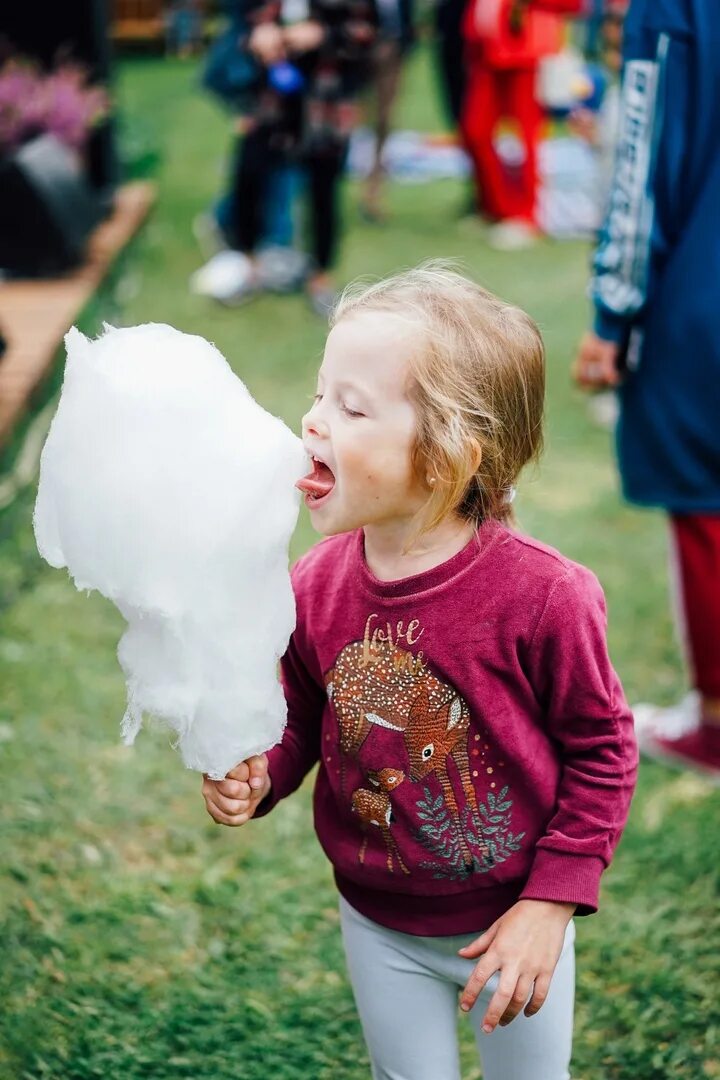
{"points": [[228, 277], [512, 235], [281, 269], [671, 722]]}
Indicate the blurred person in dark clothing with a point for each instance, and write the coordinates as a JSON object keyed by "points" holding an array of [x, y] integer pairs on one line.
{"points": [[314, 57], [233, 77], [599, 127], [451, 55], [657, 331], [183, 27], [594, 18]]}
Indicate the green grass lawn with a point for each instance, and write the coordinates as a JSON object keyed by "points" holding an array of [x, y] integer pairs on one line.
{"points": [[138, 940]]}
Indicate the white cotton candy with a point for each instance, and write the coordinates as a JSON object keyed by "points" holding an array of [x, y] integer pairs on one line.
{"points": [[167, 488]]}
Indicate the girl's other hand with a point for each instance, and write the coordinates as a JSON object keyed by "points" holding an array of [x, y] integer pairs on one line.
{"points": [[234, 800], [267, 43], [524, 945]]}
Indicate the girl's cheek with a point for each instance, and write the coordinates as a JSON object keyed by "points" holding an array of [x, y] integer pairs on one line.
{"points": [[366, 457], [354, 455]]}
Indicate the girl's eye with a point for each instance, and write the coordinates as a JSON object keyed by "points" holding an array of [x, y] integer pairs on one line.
{"points": [[351, 412]]}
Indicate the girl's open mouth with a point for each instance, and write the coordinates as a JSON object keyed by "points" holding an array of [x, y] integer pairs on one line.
{"points": [[318, 484]]}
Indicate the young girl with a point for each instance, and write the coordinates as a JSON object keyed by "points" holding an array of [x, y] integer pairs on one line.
{"points": [[451, 677]]}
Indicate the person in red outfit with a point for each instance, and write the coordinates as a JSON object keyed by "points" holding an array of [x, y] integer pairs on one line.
{"points": [[505, 42]]}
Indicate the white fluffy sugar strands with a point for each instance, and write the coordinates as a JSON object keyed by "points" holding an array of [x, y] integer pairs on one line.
{"points": [[168, 489]]}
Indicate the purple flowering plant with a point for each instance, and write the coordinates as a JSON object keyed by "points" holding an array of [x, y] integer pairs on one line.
{"points": [[60, 103]]}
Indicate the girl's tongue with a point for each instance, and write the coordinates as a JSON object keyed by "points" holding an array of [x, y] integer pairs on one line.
{"points": [[319, 482]]}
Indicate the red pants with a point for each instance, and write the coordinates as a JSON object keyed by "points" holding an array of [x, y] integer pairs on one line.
{"points": [[492, 95], [697, 540]]}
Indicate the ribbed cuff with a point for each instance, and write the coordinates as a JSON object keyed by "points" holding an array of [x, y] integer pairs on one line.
{"points": [[565, 878], [610, 327]]}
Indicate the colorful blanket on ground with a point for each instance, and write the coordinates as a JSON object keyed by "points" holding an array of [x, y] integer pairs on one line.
{"points": [[568, 198]]}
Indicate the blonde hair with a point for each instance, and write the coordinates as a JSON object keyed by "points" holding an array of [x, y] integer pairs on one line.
{"points": [[478, 387]]}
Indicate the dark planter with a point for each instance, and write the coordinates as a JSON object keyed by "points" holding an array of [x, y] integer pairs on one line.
{"points": [[47, 209]]}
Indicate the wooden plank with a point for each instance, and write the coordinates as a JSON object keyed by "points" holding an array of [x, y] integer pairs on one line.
{"points": [[138, 30], [36, 314]]}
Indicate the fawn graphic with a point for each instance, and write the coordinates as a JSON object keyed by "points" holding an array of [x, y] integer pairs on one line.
{"points": [[389, 689], [374, 809], [361, 690]]}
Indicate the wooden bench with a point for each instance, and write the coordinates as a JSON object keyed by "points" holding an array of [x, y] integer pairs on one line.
{"points": [[137, 20], [126, 30], [35, 315]]}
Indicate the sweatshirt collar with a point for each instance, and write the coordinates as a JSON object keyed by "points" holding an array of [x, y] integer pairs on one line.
{"points": [[475, 549]]}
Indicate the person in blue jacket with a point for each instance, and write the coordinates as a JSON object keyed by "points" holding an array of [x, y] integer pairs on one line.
{"points": [[656, 290]]}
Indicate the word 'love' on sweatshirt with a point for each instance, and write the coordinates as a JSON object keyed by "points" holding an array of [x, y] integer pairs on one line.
{"points": [[473, 740]]}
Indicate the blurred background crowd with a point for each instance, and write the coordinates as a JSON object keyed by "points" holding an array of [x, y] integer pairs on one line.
{"points": [[294, 76], [309, 89]]}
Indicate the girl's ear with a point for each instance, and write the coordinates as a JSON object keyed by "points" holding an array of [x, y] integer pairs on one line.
{"points": [[477, 454], [422, 468]]}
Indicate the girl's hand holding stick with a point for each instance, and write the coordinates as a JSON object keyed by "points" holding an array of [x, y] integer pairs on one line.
{"points": [[234, 800]]}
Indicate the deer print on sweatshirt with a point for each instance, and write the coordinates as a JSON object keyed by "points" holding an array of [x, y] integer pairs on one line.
{"points": [[374, 809], [375, 683]]}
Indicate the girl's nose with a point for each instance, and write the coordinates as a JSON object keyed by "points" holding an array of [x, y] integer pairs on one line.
{"points": [[312, 424]]}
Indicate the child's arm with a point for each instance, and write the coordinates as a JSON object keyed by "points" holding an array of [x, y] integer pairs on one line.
{"points": [[255, 786], [587, 716]]}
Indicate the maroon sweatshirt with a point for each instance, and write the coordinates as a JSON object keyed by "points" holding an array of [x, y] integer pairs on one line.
{"points": [[475, 746]]}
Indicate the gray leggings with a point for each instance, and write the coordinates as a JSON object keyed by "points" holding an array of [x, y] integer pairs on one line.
{"points": [[406, 989]]}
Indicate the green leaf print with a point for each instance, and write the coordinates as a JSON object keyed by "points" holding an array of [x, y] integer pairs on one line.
{"points": [[487, 834]]}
